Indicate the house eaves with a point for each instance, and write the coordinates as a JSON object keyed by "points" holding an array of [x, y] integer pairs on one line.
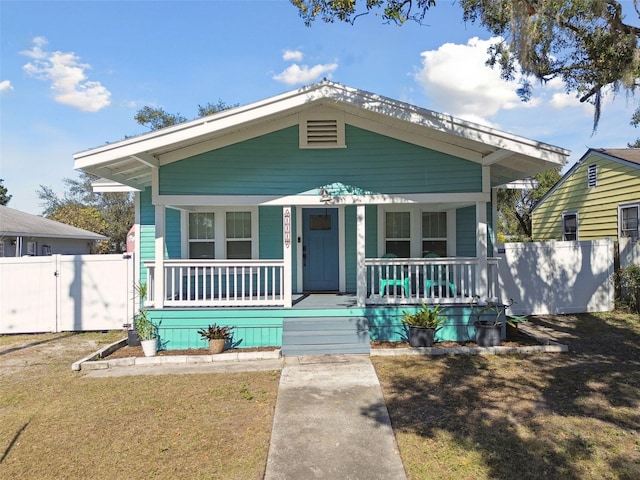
{"points": [[624, 156], [131, 161]]}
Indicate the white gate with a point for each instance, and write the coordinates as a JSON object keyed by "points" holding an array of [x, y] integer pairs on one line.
{"points": [[65, 293], [557, 277]]}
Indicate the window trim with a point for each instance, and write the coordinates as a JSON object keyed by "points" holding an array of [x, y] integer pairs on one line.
{"points": [[568, 214], [625, 206], [220, 230], [321, 114]]}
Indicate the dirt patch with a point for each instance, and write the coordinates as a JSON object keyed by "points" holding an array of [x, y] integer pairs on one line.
{"points": [[127, 351], [514, 339], [19, 351]]}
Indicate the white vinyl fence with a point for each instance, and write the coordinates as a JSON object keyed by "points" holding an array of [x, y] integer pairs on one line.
{"points": [[557, 277], [60, 293], [629, 251]]}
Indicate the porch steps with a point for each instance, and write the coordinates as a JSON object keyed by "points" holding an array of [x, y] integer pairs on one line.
{"points": [[325, 336]]}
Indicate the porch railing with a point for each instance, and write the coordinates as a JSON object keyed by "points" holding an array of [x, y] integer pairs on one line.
{"points": [[251, 283], [219, 283], [437, 280]]}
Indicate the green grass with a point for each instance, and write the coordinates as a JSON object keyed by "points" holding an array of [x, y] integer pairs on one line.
{"points": [[55, 423], [561, 416]]}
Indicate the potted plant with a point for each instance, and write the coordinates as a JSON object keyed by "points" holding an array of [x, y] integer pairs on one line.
{"points": [[423, 325], [217, 336], [147, 330], [489, 322]]}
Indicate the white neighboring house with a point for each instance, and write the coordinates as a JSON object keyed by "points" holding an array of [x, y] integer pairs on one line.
{"points": [[23, 234]]}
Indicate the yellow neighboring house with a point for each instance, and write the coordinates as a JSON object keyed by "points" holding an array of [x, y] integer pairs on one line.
{"points": [[598, 197]]}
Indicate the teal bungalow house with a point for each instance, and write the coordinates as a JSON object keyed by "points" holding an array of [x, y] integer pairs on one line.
{"points": [[311, 220]]}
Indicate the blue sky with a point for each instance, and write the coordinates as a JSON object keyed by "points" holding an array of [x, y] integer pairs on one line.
{"points": [[74, 73]]}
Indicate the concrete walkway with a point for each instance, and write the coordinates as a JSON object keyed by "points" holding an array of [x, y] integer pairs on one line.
{"points": [[331, 422]]}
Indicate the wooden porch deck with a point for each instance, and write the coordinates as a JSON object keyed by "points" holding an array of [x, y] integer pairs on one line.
{"points": [[324, 301]]}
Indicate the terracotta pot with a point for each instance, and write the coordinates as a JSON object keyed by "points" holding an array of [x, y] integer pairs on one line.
{"points": [[216, 345]]}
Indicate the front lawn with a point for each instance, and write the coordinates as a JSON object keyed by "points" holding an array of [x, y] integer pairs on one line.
{"points": [[553, 416], [55, 423]]}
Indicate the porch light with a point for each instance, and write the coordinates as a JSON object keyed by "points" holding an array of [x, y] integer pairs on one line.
{"points": [[324, 196]]}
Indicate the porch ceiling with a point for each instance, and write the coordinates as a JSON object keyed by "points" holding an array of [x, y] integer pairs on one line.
{"points": [[131, 162]]}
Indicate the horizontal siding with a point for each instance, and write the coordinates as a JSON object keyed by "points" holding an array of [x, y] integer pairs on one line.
{"points": [[270, 224], [263, 327], [274, 164], [147, 211], [466, 232], [173, 235], [597, 207]]}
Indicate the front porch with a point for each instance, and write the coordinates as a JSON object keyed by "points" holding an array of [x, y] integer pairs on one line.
{"points": [[269, 326]]}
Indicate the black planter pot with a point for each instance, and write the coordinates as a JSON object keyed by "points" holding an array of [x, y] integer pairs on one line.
{"points": [[132, 338], [421, 336], [488, 335]]}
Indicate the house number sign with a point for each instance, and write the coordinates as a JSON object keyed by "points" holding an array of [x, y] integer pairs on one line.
{"points": [[287, 227]]}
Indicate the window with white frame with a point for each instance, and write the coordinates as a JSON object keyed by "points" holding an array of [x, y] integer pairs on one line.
{"points": [[630, 221], [570, 226], [238, 233], [398, 234], [434, 234], [222, 233], [1, 247], [202, 235]]}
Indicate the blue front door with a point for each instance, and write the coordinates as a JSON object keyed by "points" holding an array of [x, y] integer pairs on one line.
{"points": [[320, 249]]}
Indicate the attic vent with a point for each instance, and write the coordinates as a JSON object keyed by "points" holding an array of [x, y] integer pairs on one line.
{"points": [[592, 176], [322, 133], [321, 127]]}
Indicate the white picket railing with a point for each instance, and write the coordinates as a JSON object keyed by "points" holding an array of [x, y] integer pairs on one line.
{"points": [[249, 283], [219, 283], [430, 280]]}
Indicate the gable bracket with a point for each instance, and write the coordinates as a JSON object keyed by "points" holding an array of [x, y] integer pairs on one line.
{"points": [[146, 159], [495, 157]]}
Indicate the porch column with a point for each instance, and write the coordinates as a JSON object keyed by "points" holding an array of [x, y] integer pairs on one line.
{"points": [[158, 281], [361, 279], [481, 251], [287, 256]]}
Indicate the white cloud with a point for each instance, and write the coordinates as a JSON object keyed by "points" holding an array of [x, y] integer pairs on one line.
{"points": [[296, 74], [292, 56], [5, 86], [69, 82], [563, 100], [457, 81]]}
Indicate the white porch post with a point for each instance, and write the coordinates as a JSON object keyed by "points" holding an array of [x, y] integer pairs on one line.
{"points": [[482, 286], [158, 291], [287, 256], [482, 272], [361, 289]]}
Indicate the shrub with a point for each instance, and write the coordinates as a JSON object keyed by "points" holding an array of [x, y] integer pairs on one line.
{"points": [[627, 285]]}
